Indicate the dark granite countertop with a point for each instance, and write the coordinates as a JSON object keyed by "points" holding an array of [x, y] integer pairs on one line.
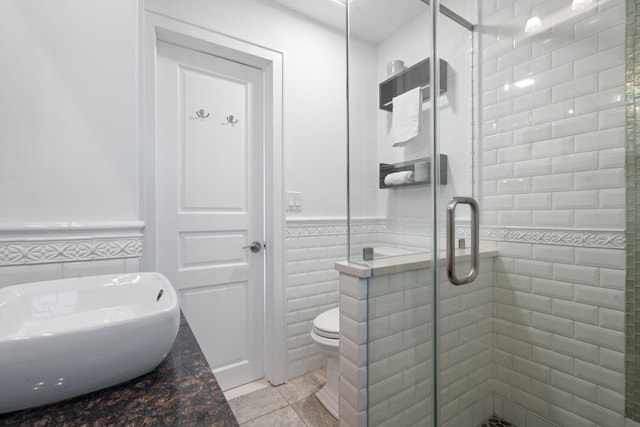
{"points": [[181, 391]]}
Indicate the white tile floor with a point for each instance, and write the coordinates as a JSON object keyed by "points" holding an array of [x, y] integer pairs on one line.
{"points": [[259, 404], [290, 405]]}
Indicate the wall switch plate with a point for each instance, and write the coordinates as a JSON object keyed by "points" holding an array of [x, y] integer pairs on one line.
{"points": [[294, 201]]}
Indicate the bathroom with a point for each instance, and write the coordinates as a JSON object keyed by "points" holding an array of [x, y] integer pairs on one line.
{"points": [[533, 125]]}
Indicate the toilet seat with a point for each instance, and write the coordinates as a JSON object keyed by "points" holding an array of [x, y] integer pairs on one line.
{"points": [[327, 324]]}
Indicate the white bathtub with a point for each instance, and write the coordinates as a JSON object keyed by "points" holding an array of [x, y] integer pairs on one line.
{"points": [[64, 338]]}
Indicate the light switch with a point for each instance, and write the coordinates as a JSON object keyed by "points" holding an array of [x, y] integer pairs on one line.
{"points": [[294, 201]]}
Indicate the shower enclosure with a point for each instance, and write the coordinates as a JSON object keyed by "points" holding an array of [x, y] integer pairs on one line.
{"points": [[454, 312]]}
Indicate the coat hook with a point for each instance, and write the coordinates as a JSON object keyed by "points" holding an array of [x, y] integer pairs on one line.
{"points": [[230, 121], [201, 114]]}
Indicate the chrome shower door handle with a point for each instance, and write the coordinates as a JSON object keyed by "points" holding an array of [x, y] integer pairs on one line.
{"points": [[451, 240]]}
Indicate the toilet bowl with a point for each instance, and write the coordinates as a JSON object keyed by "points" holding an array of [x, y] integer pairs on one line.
{"points": [[326, 335]]}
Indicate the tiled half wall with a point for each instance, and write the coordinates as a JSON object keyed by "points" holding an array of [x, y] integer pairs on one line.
{"points": [[556, 315], [313, 247]]}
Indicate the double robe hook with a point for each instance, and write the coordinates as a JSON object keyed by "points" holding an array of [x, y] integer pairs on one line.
{"points": [[230, 121], [201, 114]]}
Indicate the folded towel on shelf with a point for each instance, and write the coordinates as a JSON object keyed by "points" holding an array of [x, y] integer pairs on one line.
{"points": [[405, 121], [399, 178]]}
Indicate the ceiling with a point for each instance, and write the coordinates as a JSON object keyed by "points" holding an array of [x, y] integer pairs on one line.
{"points": [[376, 19], [372, 20]]}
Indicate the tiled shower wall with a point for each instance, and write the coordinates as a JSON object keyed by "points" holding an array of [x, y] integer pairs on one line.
{"points": [[553, 179], [553, 151]]}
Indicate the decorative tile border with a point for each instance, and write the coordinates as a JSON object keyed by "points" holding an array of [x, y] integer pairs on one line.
{"points": [[332, 227], [52, 244], [66, 251], [612, 239], [315, 230]]}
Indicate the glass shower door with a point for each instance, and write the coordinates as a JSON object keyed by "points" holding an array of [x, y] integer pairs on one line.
{"points": [[411, 133], [523, 110], [463, 292], [390, 199], [538, 337]]}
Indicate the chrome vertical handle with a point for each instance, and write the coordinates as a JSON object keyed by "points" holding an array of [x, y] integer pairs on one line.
{"points": [[451, 240]]}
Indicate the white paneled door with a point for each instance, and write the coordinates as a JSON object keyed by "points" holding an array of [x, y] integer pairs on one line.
{"points": [[210, 133]]}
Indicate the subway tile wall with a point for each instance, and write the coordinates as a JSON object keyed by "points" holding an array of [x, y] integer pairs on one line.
{"points": [[400, 348], [553, 158], [388, 341], [559, 338], [400, 345], [466, 346], [313, 247], [553, 121], [353, 351]]}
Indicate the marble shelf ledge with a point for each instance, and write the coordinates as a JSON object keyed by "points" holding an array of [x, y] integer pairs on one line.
{"points": [[401, 263]]}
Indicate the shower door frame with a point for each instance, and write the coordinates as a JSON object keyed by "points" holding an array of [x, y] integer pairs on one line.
{"points": [[434, 92]]}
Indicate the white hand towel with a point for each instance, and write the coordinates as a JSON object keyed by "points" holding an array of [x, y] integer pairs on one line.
{"points": [[405, 122], [399, 178]]}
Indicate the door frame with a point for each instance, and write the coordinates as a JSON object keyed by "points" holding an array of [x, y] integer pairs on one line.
{"points": [[163, 28]]}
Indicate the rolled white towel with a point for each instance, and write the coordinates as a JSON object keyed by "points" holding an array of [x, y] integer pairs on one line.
{"points": [[399, 178]]}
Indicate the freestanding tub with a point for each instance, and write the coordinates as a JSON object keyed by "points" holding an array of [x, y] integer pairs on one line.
{"points": [[64, 338]]}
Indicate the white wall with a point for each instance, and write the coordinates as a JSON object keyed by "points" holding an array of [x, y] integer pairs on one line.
{"points": [[69, 117], [370, 127], [314, 90], [69, 139], [411, 44], [68, 110], [363, 136]]}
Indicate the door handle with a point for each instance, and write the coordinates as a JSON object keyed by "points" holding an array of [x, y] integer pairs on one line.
{"points": [[255, 247], [451, 240]]}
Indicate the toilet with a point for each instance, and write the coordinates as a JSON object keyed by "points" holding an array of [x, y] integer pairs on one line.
{"points": [[326, 335]]}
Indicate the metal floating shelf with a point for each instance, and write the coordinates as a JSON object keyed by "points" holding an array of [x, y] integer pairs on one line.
{"points": [[386, 169], [417, 75]]}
